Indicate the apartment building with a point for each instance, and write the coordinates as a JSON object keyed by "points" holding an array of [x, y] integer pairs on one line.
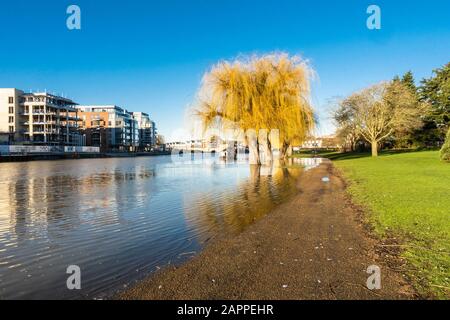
{"points": [[109, 127], [37, 118], [147, 131]]}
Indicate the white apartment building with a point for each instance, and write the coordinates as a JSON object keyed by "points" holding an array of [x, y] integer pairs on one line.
{"points": [[37, 118]]}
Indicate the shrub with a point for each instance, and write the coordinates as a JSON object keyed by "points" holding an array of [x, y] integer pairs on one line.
{"points": [[445, 151]]}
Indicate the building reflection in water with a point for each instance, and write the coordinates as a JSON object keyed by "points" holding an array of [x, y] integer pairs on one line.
{"points": [[35, 202]]}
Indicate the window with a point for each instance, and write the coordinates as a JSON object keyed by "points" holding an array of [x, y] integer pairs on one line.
{"points": [[11, 119], [11, 109], [11, 129], [11, 99]]}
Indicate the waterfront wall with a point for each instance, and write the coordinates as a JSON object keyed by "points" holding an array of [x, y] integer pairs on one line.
{"points": [[31, 153], [7, 150]]}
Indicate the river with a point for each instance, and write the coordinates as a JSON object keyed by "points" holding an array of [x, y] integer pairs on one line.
{"points": [[120, 219]]}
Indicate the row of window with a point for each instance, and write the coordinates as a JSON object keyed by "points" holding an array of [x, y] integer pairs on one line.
{"points": [[94, 122], [37, 99], [11, 110], [43, 99]]}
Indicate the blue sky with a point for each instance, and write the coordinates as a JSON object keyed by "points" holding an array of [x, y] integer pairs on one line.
{"points": [[150, 55]]}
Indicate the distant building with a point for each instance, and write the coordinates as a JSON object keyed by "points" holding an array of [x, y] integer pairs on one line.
{"points": [[38, 118], [147, 131], [214, 143], [109, 127], [325, 142]]}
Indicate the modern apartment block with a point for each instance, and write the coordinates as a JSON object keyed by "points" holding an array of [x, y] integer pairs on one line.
{"points": [[109, 127], [50, 120], [37, 118], [147, 131]]}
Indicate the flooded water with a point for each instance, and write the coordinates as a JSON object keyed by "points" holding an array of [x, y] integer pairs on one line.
{"points": [[121, 219]]}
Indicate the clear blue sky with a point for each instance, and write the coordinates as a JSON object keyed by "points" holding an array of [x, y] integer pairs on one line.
{"points": [[150, 55]]}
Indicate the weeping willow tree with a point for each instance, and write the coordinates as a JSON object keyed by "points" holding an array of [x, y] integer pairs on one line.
{"points": [[257, 95]]}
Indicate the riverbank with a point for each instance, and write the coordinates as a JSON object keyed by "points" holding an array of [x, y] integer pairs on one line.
{"points": [[311, 247]]}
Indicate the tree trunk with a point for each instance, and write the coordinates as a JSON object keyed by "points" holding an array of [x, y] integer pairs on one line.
{"points": [[231, 151], [353, 146], [266, 148], [283, 152], [253, 147], [290, 151], [286, 151], [374, 149]]}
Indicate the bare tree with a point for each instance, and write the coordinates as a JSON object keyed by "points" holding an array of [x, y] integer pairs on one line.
{"points": [[376, 112], [347, 132]]}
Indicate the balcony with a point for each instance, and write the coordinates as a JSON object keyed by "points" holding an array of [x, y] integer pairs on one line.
{"points": [[70, 125], [37, 113], [41, 123], [41, 132], [51, 104]]}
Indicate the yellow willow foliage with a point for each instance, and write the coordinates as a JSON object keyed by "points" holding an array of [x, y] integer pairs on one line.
{"points": [[266, 92]]}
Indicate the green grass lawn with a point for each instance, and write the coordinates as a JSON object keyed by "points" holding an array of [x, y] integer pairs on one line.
{"points": [[407, 196]]}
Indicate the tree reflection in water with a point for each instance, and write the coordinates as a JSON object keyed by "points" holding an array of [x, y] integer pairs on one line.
{"points": [[266, 188]]}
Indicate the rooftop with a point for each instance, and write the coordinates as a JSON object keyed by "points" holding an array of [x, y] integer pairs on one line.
{"points": [[49, 95]]}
